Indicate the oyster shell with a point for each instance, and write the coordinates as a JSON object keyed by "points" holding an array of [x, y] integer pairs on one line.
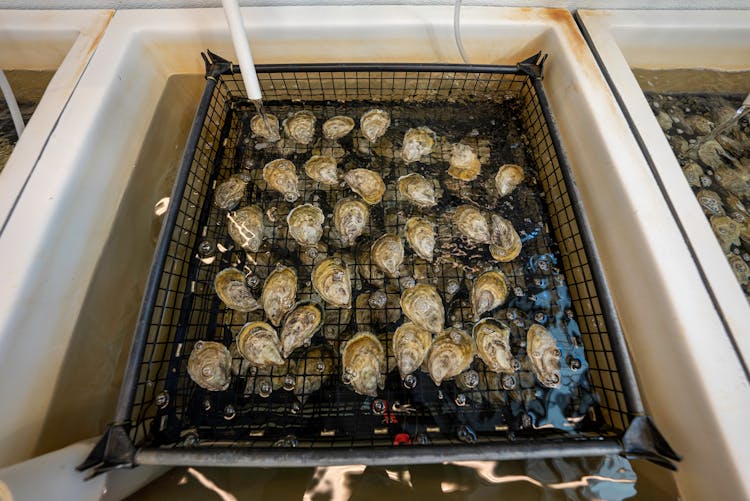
{"points": [[508, 177], [322, 169], [374, 123], [506, 244], [210, 365], [418, 190], [301, 127], [281, 175], [710, 203], [423, 306], [300, 325], [259, 344], [231, 288], [410, 346], [711, 154], [472, 224], [451, 354], [421, 237], [228, 194], [387, 252], [740, 268], [490, 291], [544, 355], [245, 226], [269, 131], [363, 361], [331, 279], [367, 184], [279, 291], [337, 127], [493, 344], [313, 371], [693, 173], [727, 230], [350, 217], [464, 163], [306, 224], [369, 272], [417, 143]]}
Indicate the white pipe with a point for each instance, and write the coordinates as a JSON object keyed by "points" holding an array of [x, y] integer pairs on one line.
{"points": [[242, 48], [15, 113]]}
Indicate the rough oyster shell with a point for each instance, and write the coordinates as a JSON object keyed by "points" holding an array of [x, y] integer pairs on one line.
{"points": [[306, 224], [387, 252], [490, 291], [313, 370], [493, 344], [281, 175], [727, 230], [229, 193], [363, 361], [506, 244], [464, 163], [423, 306], [210, 365], [331, 279], [711, 154], [300, 325], [374, 123], [417, 143], [270, 133], [279, 291], [231, 288], [337, 127], [350, 217], [421, 237], [245, 226], [367, 184], [322, 169], [410, 346], [418, 190], [693, 173], [740, 268], [472, 224], [451, 354], [301, 127], [710, 203], [369, 272], [544, 355], [259, 344], [507, 178]]}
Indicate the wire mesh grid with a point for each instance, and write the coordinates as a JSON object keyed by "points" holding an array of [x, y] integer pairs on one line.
{"points": [[305, 403]]}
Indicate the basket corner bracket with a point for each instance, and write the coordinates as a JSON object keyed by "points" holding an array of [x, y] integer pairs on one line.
{"points": [[215, 65], [642, 440], [533, 66], [113, 450]]}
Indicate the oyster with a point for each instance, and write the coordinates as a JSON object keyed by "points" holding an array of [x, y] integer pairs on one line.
{"points": [[231, 288], [421, 237], [727, 230], [312, 371], [267, 129], [740, 268], [259, 344], [418, 190], [451, 354], [490, 291], [279, 291], [410, 346], [210, 365], [367, 184], [506, 244], [331, 279], [322, 169], [363, 360], [464, 163], [350, 217], [387, 252], [369, 272], [337, 127], [508, 177], [417, 143], [281, 175], [693, 173], [710, 203], [246, 227], [229, 193], [423, 306], [374, 123], [472, 224], [300, 325], [493, 344], [306, 224], [711, 153], [544, 355], [301, 127]]}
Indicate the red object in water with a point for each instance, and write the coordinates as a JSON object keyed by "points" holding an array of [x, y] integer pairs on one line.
{"points": [[402, 439]]}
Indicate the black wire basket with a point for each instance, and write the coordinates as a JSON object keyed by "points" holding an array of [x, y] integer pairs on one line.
{"points": [[163, 417]]}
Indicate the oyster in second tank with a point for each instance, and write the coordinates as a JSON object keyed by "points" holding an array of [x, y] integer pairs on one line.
{"points": [[281, 175], [507, 178], [229, 194], [506, 244], [490, 290], [332, 280], [210, 365], [337, 127], [387, 252], [279, 292], [418, 190], [464, 163], [301, 127], [451, 354], [367, 184], [493, 344], [267, 129], [306, 224], [350, 217], [259, 344], [232, 289], [417, 144], [363, 364], [313, 371], [472, 224], [323, 169], [421, 237], [423, 306], [374, 124], [410, 346], [300, 325], [245, 226], [544, 355]]}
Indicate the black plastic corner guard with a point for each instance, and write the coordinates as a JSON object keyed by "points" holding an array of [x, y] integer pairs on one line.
{"points": [[113, 450], [643, 440]]}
